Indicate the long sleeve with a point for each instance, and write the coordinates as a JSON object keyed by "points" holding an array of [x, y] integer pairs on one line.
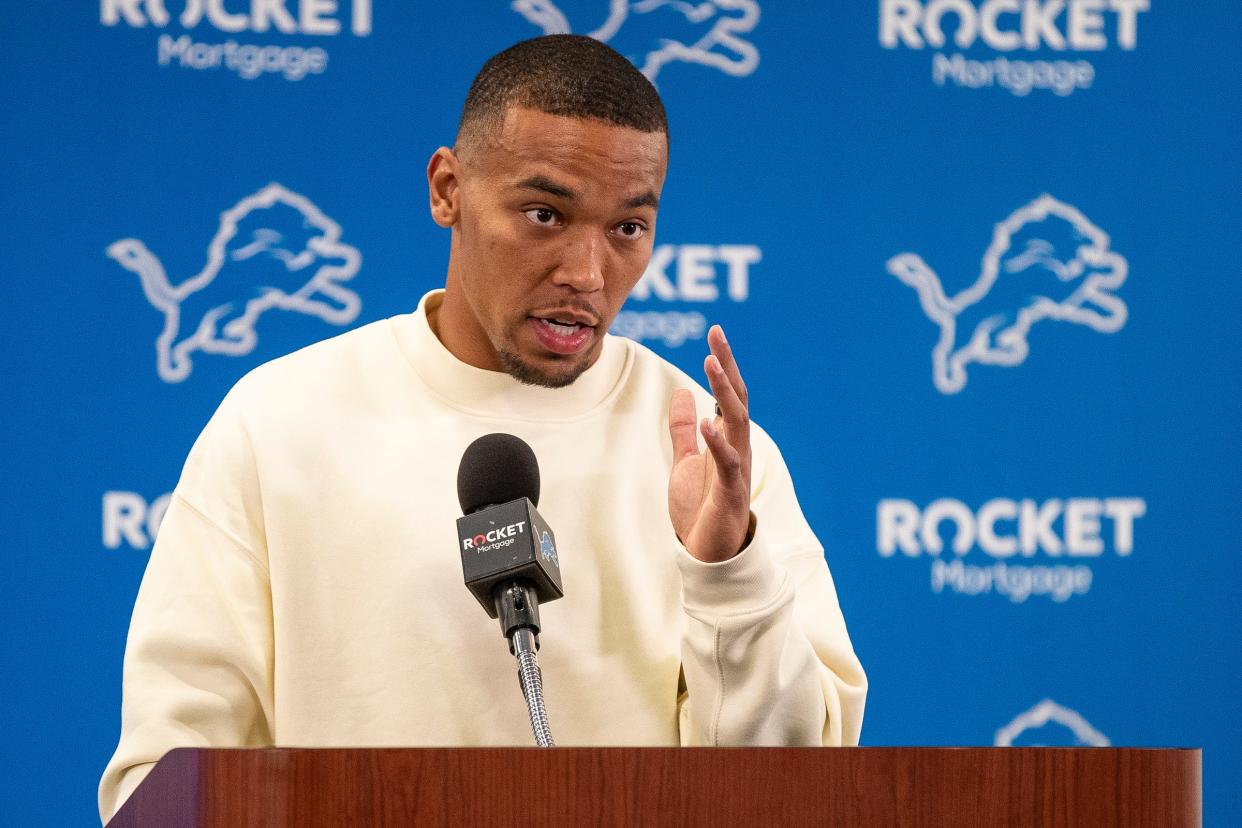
{"points": [[299, 590], [198, 659], [766, 658]]}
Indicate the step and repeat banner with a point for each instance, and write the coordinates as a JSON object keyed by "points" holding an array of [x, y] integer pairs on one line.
{"points": [[978, 259]]}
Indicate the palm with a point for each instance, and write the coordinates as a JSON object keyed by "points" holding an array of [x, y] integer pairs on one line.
{"points": [[688, 484]]}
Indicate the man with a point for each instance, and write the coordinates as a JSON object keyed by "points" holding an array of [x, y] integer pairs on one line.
{"points": [[304, 589]]}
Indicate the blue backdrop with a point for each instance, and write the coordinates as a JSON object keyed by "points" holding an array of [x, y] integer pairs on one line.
{"points": [[975, 257]]}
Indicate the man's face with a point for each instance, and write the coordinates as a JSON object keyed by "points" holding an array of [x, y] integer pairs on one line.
{"points": [[553, 225]]}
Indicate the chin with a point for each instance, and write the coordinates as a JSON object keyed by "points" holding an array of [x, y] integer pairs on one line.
{"points": [[546, 376]]}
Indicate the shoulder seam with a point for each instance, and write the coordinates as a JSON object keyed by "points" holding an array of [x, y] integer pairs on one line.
{"points": [[236, 541]]}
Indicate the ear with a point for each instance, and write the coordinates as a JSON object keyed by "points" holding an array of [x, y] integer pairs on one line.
{"points": [[443, 184]]}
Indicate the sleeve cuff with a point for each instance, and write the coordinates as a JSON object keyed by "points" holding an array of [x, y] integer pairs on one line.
{"points": [[746, 582]]}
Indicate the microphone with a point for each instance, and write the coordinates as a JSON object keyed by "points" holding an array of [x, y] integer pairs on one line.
{"points": [[508, 552]]}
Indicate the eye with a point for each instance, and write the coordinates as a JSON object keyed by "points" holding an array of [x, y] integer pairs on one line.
{"points": [[542, 216], [631, 230]]}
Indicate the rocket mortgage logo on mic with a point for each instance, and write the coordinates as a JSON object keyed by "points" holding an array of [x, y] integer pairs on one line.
{"points": [[494, 538]]}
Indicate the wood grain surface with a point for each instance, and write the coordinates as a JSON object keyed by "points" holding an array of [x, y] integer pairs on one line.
{"points": [[787, 787]]}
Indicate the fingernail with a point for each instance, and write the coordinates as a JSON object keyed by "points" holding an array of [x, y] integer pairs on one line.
{"points": [[711, 427]]}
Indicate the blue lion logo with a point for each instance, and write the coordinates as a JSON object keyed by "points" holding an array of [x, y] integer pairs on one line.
{"points": [[273, 249], [1046, 261], [547, 549], [654, 33]]}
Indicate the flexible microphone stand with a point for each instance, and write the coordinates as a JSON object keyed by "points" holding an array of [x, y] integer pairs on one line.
{"points": [[518, 609]]}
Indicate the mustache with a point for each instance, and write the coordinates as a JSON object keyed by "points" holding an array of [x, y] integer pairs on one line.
{"points": [[571, 304]]}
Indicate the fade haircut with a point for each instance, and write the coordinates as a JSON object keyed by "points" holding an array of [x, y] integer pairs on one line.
{"points": [[563, 74]]}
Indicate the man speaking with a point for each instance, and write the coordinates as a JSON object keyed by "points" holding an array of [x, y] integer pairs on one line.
{"points": [[305, 589]]}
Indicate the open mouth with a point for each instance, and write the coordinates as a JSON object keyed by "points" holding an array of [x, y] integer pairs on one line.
{"points": [[562, 328], [562, 335]]}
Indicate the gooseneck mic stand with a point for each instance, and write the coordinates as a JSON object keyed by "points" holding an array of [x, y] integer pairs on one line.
{"points": [[517, 607]]}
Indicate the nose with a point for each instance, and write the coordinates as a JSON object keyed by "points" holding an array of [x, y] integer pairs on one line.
{"points": [[582, 264]]}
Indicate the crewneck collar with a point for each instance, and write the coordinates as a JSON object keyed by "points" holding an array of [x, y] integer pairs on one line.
{"points": [[495, 393]]}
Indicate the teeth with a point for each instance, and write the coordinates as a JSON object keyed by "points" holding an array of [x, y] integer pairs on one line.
{"points": [[562, 328]]}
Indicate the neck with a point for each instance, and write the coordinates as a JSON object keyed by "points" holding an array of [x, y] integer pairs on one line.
{"points": [[454, 323], [495, 394]]}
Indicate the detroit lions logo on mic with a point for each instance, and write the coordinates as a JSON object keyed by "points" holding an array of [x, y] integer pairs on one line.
{"points": [[654, 33], [273, 249], [548, 549], [1046, 261]]}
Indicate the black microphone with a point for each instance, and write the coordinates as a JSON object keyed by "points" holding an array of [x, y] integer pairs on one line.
{"points": [[508, 551]]}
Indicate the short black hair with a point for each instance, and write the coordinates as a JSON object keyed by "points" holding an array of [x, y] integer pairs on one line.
{"points": [[562, 74]]}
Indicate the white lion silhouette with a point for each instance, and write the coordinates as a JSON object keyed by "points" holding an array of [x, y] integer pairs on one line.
{"points": [[715, 39], [273, 249], [1046, 261], [1049, 724]]}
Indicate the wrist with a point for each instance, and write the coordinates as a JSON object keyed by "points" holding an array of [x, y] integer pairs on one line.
{"points": [[745, 583], [707, 554]]}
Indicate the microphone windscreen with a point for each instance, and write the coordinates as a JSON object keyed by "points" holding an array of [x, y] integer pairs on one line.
{"points": [[497, 468]]}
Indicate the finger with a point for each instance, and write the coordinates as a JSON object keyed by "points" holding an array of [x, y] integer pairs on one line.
{"points": [[733, 410], [724, 352], [681, 421], [727, 460]]}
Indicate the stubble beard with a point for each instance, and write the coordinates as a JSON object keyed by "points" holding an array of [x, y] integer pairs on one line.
{"points": [[527, 374], [523, 371]]}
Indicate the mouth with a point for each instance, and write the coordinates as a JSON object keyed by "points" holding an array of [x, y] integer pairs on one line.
{"points": [[564, 332]]}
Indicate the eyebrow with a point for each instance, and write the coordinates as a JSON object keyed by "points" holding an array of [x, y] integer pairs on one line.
{"points": [[647, 199], [547, 185]]}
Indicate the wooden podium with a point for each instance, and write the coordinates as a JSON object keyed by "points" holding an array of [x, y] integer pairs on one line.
{"points": [[785, 787]]}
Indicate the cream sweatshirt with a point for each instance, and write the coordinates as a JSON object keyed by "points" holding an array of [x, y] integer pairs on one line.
{"points": [[306, 590]]}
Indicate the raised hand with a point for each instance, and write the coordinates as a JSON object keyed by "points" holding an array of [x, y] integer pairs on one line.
{"points": [[709, 492]]}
